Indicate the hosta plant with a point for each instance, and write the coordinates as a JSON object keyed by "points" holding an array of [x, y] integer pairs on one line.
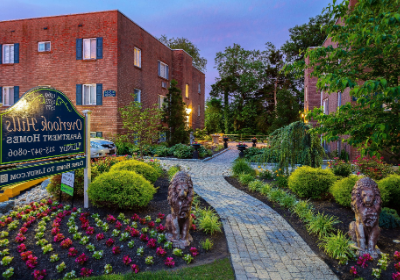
{"points": [[107, 269], [149, 260], [98, 254], [61, 267], [8, 273]]}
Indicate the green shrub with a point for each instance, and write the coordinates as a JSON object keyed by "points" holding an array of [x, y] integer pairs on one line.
{"points": [[265, 189], [208, 221], [122, 189], [276, 194], [338, 247], [282, 181], [181, 151], [389, 188], [255, 185], [341, 168], [172, 170], [155, 163], [288, 201], [321, 224], [241, 166], [141, 168], [105, 164], [389, 218], [341, 190], [245, 179], [161, 151], [304, 210], [251, 152], [207, 244], [54, 187], [266, 174], [311, 182]]}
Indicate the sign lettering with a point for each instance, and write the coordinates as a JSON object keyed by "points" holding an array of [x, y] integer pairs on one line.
{"points": [[110, 93], [67, 182]]}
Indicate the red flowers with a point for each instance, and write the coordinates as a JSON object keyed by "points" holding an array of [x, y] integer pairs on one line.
{"points": [[142, 221], [20, 238], [59, 237], [21, 247], [23, 230], [134, 232], [135, 268], [118, 225], [151, 224], [116, 250], [152, 243], [111, 219], [90, 230], [100, 236], [81, 259], [135, 217], [39, 274], [194, 251], [127, 260], [55, 230], [144, 237], [86, 272], [396, 276], [397, 266], [397, 255], [25, 255], [160, 251], [31, 262], [160, 228], [161, 216], [169, 262], [72, 252], [193, 227], [109, 242], [362, 261], [66, 243], [353, 271]]}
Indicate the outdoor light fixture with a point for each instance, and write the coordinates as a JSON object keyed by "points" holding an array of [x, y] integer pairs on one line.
{"points": [[188, 110]]}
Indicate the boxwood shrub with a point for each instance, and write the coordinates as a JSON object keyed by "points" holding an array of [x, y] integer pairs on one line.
{"points": [[389, 188], [309, 182], [122, 189], [139, 167], [341, 190]]}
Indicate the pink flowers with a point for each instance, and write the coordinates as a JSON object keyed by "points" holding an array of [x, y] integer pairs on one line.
{"points": [[135, 268], [362, 261], [111, 219], [58, 237], [81, 259], [142, 221], [116, 250], [135, 217], [74, 209], [31, 261], [160, 228], [25, 255], [397, 255], [20, 238], [66, 243], [160, 251], [353, 271], [397, 266], [127, 260], [134, 232], [109, 242], [21, 247], [194, 251], [193, 216], [169, 262], [152, 243], [39, 275], [55, 231], [100, 236], [144, 237], [72, 252], [193, 227], [161, 216], [118, 225], [23, 230], [151, 224], [86, 272], [396, 276], [90, 230]]}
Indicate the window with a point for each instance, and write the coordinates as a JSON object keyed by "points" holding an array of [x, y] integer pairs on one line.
{"points": [[187, 91], [198, 110], [339, 99], [306, 95], [44, 46], [161, 100], [89, 94], [199, 90], [8, 53], [89, 48], [326, 106], [163, 70], [8, 96], [138, 57], [137, 93]]}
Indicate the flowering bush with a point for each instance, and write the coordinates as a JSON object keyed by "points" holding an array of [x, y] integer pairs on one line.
{"points": [[90, 230], [21, 247], [72, 252], [161, 216], [362, 260], [109, 242], [353, 271], [151, 224], [59, 237], [116, 250], [86, 272], [152, 243], [81, 259], [127, 260], [66, 243], [340, 167], [111, 219], [373, 167], [169, 262], [135, 217], [160, 251], [135, 232], [39, 274], [143, 221], [396, 255], [160, 228], [144, 237], [194, 251], [31, 262], [100, 236], [135, 268]]}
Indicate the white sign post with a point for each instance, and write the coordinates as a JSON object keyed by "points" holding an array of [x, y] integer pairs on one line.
{"points": [[87, 172]]}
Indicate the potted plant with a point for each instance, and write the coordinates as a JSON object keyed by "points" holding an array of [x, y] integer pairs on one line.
{"points": [[226, 139], [254, 140], [241, 147], [196, 147]]}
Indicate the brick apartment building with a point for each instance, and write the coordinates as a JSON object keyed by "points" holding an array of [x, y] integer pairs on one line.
{"points": [[329, 102], [84, 55]]}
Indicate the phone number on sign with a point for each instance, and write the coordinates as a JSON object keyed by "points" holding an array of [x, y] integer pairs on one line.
{"points": [[33, 151]]}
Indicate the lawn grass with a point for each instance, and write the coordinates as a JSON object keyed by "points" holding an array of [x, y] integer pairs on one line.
{"points": [[220, 269]]}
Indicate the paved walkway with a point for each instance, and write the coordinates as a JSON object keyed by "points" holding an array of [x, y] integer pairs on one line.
{"points": [[261, 243]]}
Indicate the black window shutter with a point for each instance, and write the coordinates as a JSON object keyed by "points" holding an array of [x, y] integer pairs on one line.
{"points": [[1, 95], [167, 72], [79, 48], [99, 50], [1, 54], [16, 94], [16, 53], [79, 94], [99, 94]]}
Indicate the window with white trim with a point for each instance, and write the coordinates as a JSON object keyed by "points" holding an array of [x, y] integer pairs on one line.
{"points": [[89, 48], [89, 94], [8, 53], [137, 93], [187, 91], [163, 70], [8, 96], [44, 46], [138, 57], [161, 100], [198, 110], [339, 99], [326, 106]]}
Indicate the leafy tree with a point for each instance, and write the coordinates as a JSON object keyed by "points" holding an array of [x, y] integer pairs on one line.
{"points": [[287, 110], [143, 125], [175, 116], [189, 47], [213, 115], [366, 61]]}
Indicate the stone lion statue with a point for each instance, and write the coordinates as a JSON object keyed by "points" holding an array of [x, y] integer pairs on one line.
{"points": [[180, 198], [366, 203]]}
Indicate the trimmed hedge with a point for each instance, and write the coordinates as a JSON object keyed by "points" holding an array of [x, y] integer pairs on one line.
{"points": [[311, 182], [341, 190], [390, 190], [139, 167], [122, 189]]}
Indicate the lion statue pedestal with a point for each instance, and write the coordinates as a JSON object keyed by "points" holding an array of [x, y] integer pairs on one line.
{"points": [[178, 223], [366, 203]]}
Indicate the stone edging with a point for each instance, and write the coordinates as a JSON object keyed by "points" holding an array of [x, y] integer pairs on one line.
{"points": [[181, 159]]}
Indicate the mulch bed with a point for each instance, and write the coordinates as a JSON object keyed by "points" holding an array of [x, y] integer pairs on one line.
{"points": [[345, 215], [158, 205]]}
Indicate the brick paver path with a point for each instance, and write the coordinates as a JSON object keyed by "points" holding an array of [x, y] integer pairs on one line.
{"points": [[261, 243]]}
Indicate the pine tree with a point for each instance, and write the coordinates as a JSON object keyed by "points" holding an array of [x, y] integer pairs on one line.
{"points": [[175, 116]]}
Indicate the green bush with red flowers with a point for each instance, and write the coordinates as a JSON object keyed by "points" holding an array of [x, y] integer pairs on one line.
{"points": [[373, 167]]}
